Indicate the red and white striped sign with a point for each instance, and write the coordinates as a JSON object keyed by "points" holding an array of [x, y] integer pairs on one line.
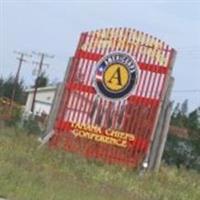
{"points": [[112, 131]]}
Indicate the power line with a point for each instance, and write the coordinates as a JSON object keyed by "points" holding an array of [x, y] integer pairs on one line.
{"points": [[187, 91], [40, 64]]}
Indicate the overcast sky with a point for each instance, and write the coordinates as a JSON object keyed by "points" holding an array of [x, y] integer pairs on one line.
{"points": [[54, 26]]}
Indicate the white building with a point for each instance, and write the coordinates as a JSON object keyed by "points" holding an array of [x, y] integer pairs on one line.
{"points": [[43, 101]]}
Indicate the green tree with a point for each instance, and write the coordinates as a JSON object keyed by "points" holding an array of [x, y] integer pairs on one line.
{"points": [[42, 80], [193, 119], [7, 86], [180, 151], [184, 107], [1, 86], [179, 115]]}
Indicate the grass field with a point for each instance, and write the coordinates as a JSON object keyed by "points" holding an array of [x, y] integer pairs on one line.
{"points": [[28, 173]]}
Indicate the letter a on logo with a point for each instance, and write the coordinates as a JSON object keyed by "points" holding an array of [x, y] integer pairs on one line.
{"points": [[116, 76]]}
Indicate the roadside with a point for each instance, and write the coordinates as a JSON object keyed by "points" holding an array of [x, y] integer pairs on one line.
{"points": [[46, 174]]}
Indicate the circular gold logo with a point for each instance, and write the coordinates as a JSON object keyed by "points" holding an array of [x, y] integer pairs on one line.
{"points": [[116, 75]]}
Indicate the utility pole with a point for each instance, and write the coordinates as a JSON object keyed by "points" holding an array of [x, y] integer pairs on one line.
{"points": [[41, 64], [21, 60]]}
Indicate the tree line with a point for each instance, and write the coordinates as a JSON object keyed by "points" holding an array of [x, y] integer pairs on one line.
{"points": [[184, 151], [7, 85]]}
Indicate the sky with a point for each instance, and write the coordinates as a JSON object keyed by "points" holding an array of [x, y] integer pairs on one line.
{"points": [[54, 27]]}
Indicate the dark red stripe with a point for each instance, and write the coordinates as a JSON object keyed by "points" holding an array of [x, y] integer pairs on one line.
{"points": [[143, 100], [131, 99], [143, 66], [81, 87]]}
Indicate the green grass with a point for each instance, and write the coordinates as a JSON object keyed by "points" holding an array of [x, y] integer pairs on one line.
{"points": [[29, 173]]}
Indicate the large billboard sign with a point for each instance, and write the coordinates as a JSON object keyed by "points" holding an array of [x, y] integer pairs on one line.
{"points": [[112, 97]]}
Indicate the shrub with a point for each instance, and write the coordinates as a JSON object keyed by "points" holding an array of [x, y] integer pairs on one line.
{"points": [[181, 152], [31, 125]]}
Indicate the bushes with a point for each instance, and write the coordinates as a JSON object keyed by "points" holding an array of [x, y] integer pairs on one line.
{"points": [[31, 125], [18, 120], [181, 152], [185, 152], [15, 117]]}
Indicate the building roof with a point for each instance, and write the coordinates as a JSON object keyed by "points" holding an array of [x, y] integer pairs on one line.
{"points": [[42, 89]]}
